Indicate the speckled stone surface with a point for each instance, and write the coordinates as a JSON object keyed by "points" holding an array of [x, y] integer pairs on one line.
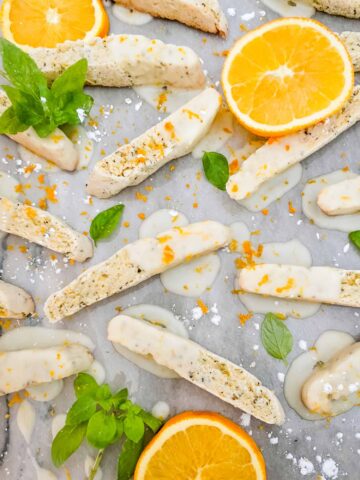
{"points": [[287, 449]]}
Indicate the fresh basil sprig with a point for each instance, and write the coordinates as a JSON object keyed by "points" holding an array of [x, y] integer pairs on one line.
{"points": [[216, 169], [34, 103], [354, 237], [104, 418], [276, 337], [105, 222]]}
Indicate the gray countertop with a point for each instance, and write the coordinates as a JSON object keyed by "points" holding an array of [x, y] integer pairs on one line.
{"points": [[287, 449]]}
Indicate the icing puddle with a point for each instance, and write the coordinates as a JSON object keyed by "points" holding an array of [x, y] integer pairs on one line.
{"points": [[327, 345], [343, 223], [161, 317], [293, 253]]}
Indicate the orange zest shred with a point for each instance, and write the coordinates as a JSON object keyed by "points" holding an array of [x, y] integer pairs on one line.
{"points": [[245, 317], [204, 308], [168, 255]]}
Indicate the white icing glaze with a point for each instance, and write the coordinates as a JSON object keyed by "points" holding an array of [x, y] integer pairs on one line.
{"points": [[239, 234], [45, 392], [40, 337], [25, 419], [131, 17], [97, 371], [23, 338], [161, 410], [296, 8], [327, 345], [58, 422], [159, 316], [165, 99], [292, 252], [220, 132], [273, 189], [83, 144], [30, 157], [193, 278], [344, 223], [160, 221]]}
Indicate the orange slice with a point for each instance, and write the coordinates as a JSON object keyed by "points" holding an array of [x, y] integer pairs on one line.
{"points": [[287, 75], [203, 446], [45, 23]]}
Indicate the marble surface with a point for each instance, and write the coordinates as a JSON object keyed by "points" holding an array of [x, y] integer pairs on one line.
{"points": [[289, 449]]}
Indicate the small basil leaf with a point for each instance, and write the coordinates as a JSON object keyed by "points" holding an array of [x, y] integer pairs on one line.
{"points": [[119, 427], [81, 411], [72, 108], [216, 169], [104, 224], [101, 429], [28, 109], [128, 458], [134, 427], [21, 69], [354, 237], [276, 337], [85, 384], [66, 442], [152, 422], [71, 80], [10, 124], [103, 392], [120, 397]]}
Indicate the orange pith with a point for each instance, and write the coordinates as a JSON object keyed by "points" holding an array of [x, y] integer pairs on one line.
{"points": [[45, 23], [202, 446], [286, 75]]}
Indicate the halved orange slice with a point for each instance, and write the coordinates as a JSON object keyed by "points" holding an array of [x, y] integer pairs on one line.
{"points": [[45, 23], [287, 75], [201, 445]]}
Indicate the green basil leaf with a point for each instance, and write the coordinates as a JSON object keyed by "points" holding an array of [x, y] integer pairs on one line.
{"points": [[216, 169], [45, 128], [10, 124], [104, 224], [354, 237], [66, 442], [81, 411], [101, 429], [120, 397], [128, 458], [119, 427], [21, 69], [152, 422], [276, 337], [72, 107], [28, 109], [103, 392], [85, 384], [71, 80], [134, 427]]}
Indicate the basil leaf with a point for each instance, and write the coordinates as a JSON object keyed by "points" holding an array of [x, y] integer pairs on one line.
{"points": [[134, 427], [66, 442], [103, 392], [104, 224], [21, 69], [71, 80], [85, 384], [128, 458], [101, 429], [120, 397], [354, 237], [216, 169], [10, 124], [152, 422], [81, 411], [34, 104], [276, 337]]}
